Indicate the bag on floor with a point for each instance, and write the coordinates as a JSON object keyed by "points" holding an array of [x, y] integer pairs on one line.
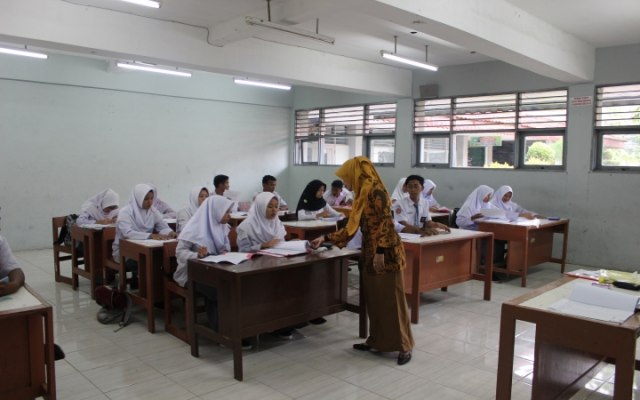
{"points": [[116, 305]]}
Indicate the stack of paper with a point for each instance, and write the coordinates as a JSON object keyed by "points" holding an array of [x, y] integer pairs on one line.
{"points": [[230, 257], [592, 301], [290, 248]]}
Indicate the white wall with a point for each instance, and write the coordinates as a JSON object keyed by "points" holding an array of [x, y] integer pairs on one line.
{"points": [[601, 206], [70, 128]]}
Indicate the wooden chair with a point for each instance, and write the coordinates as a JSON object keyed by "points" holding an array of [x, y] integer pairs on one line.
{"points": [[61, 252], [173, 290], [92, 268], [108, 263]]}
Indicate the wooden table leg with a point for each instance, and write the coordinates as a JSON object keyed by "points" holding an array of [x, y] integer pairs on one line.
{"points": [[505, 353]]}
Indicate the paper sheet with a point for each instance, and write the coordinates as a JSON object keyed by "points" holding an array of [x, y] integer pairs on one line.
{"points": [[230, 257]]}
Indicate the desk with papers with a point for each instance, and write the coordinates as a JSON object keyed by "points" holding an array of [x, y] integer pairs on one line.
{"points": [[568, 348]]}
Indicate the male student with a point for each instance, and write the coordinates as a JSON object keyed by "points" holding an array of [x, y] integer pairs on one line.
{"points": [[269, 183], [338, 195], [221, 187], [413, 211]]}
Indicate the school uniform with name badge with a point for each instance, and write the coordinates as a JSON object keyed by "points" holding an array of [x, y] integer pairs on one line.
{"points": [[416, 214]]}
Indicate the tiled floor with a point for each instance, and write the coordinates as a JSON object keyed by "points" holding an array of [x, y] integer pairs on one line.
{"points": [[455, 355]]}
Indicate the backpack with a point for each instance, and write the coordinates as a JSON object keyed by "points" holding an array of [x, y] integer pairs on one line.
{"points": [[116, 306], [65, 231]]}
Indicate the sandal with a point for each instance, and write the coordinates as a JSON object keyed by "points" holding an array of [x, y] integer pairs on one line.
{"points": [[404, 357], [362, 347]]}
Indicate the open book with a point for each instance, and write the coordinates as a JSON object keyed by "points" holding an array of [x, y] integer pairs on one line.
{"points": [[590, 300], [230, 257], [290, 248]]}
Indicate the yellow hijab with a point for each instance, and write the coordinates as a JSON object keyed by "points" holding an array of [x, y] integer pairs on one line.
{"points": [[361, 174]]}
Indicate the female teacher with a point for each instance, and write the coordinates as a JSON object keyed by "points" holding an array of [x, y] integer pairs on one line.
{"points": [[382, 259]]}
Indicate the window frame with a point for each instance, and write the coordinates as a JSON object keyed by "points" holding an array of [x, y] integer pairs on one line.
{"points": [[364, 124], [599, 133], [520, 134]]}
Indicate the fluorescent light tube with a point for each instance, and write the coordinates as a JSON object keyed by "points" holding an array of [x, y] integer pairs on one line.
{"points": [[418, 64], [25, 53], [148, 68], [290, 29], [261, 84], [146, 3]]}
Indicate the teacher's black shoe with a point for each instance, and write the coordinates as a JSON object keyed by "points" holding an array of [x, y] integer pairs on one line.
{"points": [[58, 354], [404, 357], [318, 321], [362, 347]]}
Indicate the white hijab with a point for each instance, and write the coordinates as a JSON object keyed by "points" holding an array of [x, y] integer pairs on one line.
{"points": [[474, 201], [257, 226], [205, 229], [428, 184], [96, 204], [143, 220], [398, 194], [497, 199], [192, 202]]}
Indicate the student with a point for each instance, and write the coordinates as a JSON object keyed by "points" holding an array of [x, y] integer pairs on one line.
{"points": [[427, 194], [161, 206], [100, 209], [399, 192], [221, 188], [269, 183], [12, 279], [338, 195], [139, 220], [206, 233], [513, 210], [197, 195], [262, 227], [472, 207], [413, 211], [312, 204]]}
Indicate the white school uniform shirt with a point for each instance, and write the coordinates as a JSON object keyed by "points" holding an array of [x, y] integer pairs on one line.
{"points": [[256, 229], [512, 209], [473, 205], [203, 230], [92, 209], [134, 222], [336, 201], [281, 202], [7, 261], [404, 210], [306, 215]]}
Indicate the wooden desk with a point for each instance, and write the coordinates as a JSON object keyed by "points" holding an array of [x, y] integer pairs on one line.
{"points": [[91, 238], [528, 244], [568, 348], [442, 260], [269, 293], [148, 255], [309, 230], [346, 210], [27, 369]]}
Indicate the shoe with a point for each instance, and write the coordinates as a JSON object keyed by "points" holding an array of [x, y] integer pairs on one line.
{"points": [[496, 277], [58, 354], [318, 321], [362, 347], [246, 345], [404, 357], [284, 334]]}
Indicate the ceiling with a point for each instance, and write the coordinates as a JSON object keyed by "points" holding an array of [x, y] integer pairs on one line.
{"points": [[554, 38]]}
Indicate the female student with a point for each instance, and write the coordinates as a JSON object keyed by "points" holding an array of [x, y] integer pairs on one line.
{"points": [[400, 191], [513, 210], [100, 209], [139, 220], [262, 227], [197, 195], [472, 208], [427, 194], [312, 204], [161, 206]]}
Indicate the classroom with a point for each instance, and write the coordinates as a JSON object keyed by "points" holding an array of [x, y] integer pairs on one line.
{"points": [[75, 123]]}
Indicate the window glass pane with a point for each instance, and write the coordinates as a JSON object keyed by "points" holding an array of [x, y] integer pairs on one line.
{"points": [[543, 150], [336, 150], [621, 150], [484, 113], [343, 121], [483, 150], [543, 110], [309, 151], [432, 115], [307, 122], [381, 119], [433, 150], [382, 151]]}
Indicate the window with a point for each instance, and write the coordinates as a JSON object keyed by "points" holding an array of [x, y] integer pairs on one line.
{"points": [[617, 127], [513, 130], [330, 136]]}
